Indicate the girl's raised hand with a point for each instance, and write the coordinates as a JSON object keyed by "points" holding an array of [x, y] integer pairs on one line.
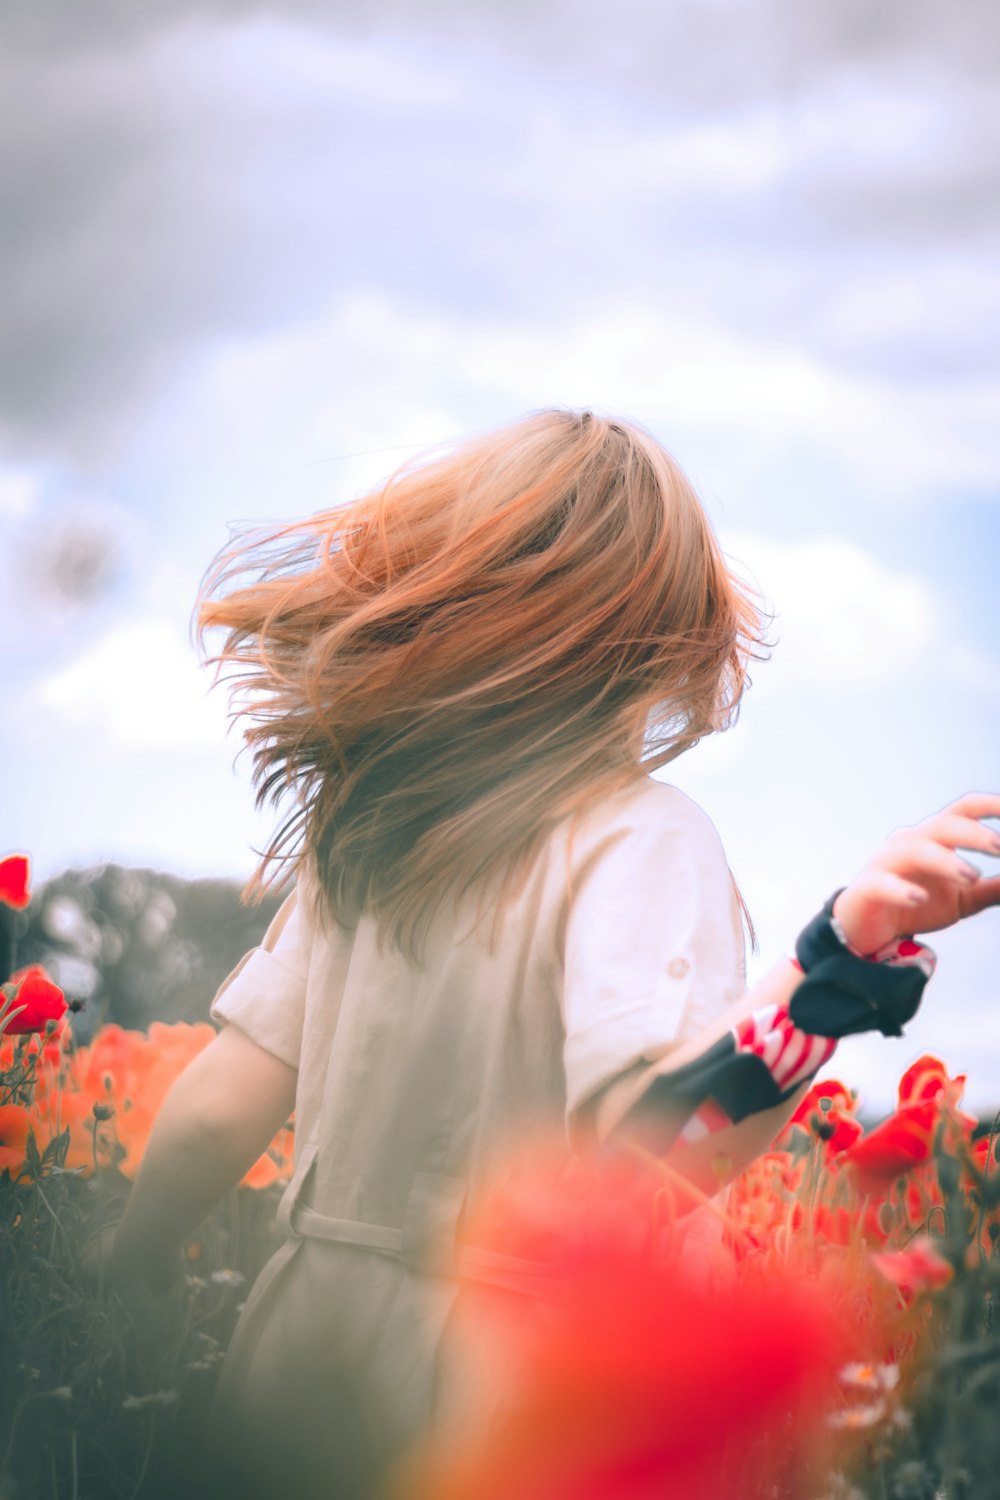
{"points": [[917, 883]]}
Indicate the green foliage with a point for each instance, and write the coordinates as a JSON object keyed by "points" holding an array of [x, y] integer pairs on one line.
{"points": [[945, 1441], [103, 1393]]}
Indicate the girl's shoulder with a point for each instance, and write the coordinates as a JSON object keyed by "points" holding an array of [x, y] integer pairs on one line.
{"points": [[650, 804], [636, 835]]}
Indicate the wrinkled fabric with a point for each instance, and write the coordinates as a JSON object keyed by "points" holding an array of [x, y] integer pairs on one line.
{"points": [[624, 938]]}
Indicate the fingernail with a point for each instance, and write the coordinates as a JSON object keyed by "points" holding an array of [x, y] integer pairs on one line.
{"points": [[969, 874]]}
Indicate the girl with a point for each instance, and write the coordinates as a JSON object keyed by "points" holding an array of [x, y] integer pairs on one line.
{"points": [[500, 921]]}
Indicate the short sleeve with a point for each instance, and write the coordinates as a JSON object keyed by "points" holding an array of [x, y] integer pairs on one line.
{"points": [[654, 946], [265, 994]]}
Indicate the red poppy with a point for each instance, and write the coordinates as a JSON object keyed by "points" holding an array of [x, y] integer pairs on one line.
{"points": [[906, 1139], [838, 1130], [43, 1000], [829, 1092], [828, 1113], [928, 1078], [919, 1268], [892, 1149], [983, 1153], [837, 1225], [14, 876]]}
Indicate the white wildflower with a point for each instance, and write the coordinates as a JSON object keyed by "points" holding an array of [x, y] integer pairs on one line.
{"points": [[839, 1487], [152, 1398], [857, 1416], [226, 1277], [866, 1377]]}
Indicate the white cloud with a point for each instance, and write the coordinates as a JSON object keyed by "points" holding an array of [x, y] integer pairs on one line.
{"points": [[19, 492], [371, 372], [883, 128], [139, 684], [769, 232], [843, 617], [268, 58], [371, 375]]}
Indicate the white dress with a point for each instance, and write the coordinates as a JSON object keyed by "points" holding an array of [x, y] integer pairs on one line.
{"points": [[626, 936]]}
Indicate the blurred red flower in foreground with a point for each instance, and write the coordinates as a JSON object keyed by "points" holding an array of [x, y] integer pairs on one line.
{"points": [[632, 1377], [14, 876], [43, 1000]]}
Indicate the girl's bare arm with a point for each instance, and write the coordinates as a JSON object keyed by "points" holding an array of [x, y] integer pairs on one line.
{"points": [[915, 883], [713, 1162], [219, 1116]]}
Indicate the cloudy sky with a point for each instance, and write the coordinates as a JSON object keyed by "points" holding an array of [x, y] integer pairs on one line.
{"points": [[254, 255]]}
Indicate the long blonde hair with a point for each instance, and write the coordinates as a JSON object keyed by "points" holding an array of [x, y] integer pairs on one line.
{"points": [[444, 669]]}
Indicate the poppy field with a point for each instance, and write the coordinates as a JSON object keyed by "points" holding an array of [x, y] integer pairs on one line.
{"points": [[833, 1339]]}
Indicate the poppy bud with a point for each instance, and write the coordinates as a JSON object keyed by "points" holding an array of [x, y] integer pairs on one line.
{"points": [[948, 1174], [886, 1217]]}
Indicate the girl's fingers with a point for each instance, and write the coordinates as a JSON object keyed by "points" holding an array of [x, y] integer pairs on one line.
{"points": [[975, 805], [960, 833], [894, 889], [986, 892], [917, 855]]}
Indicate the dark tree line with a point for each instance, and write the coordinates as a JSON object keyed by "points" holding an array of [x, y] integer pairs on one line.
{"points": [[134, 946]]}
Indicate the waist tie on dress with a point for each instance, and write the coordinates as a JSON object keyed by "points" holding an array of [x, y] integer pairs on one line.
{"points": [[426, 1242]]}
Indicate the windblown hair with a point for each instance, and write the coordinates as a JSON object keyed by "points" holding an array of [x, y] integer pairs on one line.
{"points": [[448, 667]]}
